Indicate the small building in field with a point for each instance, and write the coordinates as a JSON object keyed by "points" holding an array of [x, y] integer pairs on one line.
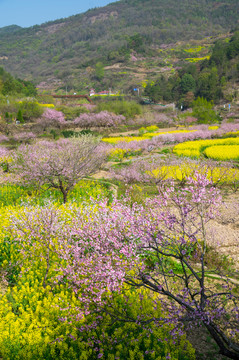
{"points": [[101, 93]]}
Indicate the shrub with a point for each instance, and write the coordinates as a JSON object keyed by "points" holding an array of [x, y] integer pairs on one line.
{"points": [[30, 110], [71, 113], [203, 111], [24, 137], [152, 128], [51, 118], [125, 108], [101, 119]]}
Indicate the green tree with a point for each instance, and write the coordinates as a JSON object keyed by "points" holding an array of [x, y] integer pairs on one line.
{"points": [[187, 83], [99, 71], [203, 111], [162, 90], [208, 85], [233, 47], [30, 110], [219, 55], [20, 117]]}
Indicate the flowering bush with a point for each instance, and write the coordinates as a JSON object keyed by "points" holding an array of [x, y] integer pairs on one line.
{"points": [[34, 330], [51, 118], [24, 136], [3, 138], [156, 118], [89, 107], [33, 311], [152, 128], [101, 119]]}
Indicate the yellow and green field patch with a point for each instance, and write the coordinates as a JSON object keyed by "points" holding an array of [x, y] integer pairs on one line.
{"points": [[197, 59], [223, 152], [215, 127], [195, 49], [148, 135], [223, 149], [215, 174], [84, 190], [117, 154], [50, 106]]}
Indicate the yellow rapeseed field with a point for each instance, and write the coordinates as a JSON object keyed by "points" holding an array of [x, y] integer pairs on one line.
{"points": [[223, 149], [117, 139]]}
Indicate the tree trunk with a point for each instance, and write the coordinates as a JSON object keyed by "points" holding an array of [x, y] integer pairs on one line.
{"points": [[64, 193], [230, 350]]}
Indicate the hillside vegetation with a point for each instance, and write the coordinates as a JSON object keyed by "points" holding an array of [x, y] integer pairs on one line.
{"points": [[105, 47], [10, 85], [210, 80]]}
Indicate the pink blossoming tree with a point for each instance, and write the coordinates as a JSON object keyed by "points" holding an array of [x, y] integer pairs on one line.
{"points": [[59, 164], [101, 119], [161, 245], [51, 118], [24, 136], [173, 239]]}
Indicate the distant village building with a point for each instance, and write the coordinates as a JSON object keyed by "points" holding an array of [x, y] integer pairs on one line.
{"points": [[105, 92], [101, 93]]}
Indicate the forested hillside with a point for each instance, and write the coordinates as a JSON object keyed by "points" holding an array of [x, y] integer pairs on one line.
{"points": [[14, 86], [77, 50], [211, 80]]}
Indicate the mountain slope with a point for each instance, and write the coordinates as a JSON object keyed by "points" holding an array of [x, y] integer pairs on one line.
{"points": [[70, 48], [9, 29]]}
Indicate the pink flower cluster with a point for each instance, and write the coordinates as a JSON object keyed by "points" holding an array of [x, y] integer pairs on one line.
{"points": [[101, 119], [133, 58], [24, 136], [154, 118], [89, 107], [152, 246], [51, 118], [3, 138], [3, 152], [59, 164]]}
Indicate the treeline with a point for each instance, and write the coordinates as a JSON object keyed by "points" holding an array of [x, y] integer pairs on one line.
{"points": [[206, 80], [12, 86]]}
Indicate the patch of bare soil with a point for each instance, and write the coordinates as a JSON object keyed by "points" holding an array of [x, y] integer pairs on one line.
{"points": [[205, 346], [102, 175], [223, 234], [114, 66], [224, 230]]}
